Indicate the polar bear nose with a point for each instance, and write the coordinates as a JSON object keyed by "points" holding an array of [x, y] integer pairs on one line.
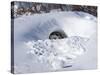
{"points": [[57, 35]]}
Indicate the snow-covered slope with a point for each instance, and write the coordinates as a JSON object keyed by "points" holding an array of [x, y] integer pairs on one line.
{"points": [[30, 29]]}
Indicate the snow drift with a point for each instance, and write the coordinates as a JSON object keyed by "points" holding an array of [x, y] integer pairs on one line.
{"points": [[35, 52]]}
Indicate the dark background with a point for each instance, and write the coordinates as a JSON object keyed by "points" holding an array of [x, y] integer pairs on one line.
{"points": [[30, 8]]}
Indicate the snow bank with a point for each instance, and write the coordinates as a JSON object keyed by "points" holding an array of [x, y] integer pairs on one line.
{"points": [[78, 51]]}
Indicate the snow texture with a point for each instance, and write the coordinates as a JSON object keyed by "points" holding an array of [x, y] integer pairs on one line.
{"points": [[57, 53], [34, 52]]}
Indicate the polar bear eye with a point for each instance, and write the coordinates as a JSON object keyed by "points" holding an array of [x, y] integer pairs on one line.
{"points": [[57, 35]]}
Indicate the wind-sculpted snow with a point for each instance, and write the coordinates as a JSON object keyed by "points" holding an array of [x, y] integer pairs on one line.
{"points": [[57, 53], [35, 52]]}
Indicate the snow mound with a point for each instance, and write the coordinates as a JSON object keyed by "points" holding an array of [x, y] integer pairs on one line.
{"points": [[58, 53]]}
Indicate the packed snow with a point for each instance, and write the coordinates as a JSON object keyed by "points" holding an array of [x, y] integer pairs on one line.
{"points": [[35, 52]]}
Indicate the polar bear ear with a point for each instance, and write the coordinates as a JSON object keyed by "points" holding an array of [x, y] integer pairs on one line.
{"points": [[59, 34]]}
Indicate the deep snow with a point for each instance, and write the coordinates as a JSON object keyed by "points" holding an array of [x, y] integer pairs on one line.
{"points": [[78, 51]]}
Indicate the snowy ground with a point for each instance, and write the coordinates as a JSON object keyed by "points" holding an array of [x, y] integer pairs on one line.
{"points": [[34, 52]]}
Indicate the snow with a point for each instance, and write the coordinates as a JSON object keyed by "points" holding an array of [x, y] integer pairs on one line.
{"points": [[57, 53], [34, 52]]}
